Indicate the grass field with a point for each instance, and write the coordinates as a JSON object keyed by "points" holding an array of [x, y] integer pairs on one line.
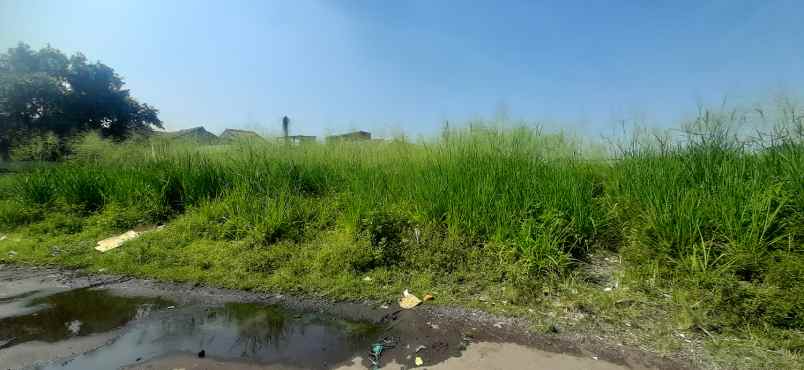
{"points": [[706, 229]]}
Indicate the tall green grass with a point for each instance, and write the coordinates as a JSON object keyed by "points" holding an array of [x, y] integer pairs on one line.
{"points": [[711, 213]]}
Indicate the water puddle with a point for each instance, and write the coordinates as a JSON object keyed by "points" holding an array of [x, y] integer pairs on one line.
{"points": [[55, 317], [79, 329], [236, 331]]}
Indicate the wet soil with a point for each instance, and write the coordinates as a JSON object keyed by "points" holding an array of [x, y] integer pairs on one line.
{"points": [[55, 319]]}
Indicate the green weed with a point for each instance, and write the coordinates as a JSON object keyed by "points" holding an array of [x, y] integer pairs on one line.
{"points": [[712, 219]]}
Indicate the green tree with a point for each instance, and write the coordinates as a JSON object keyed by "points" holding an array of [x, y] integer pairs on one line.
{"points": [[45, 91]]}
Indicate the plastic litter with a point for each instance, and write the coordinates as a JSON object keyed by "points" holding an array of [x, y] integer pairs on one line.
{"points": [[419, 361], [108, 244], [408, 300], [377, 349], [427, 297]]}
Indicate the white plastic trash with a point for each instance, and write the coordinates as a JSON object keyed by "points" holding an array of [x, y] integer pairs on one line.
{"points": [[116, 241]]}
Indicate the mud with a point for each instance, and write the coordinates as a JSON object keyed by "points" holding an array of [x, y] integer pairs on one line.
{"points": [[52, 319], [479, 356]]}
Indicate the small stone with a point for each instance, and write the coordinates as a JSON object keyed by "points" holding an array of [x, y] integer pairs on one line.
{"points": [[12, 253]]}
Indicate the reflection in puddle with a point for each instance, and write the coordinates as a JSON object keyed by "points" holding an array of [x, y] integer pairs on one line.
{"points": [[20, 304], [250, 332], [74, 327], [79, 312], [19, 296]]}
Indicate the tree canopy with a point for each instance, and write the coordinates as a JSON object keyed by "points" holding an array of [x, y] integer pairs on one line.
{"points": [[46, 91]]}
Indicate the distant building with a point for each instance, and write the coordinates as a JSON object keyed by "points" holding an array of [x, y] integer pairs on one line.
{"points": [[299, 139], [351, 136], [235, 134], [197, 134]]}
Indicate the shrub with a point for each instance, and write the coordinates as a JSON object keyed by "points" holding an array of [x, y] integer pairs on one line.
{"points": [[384, 232], [43, 147]]}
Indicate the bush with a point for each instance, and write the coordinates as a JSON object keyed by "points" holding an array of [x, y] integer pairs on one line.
{"points": [[43, 147], [385, 233]]}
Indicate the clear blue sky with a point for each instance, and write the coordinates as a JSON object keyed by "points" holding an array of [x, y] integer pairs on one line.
{"points": [[387, 66]]}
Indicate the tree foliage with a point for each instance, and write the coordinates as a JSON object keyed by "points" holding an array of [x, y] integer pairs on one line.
{"points": [[46, 91]]}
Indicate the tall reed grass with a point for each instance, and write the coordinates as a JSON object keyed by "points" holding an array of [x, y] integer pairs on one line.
{"points": [[711, 212]]}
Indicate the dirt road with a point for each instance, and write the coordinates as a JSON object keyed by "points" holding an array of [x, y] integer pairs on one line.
{"points": [[53, 319]]}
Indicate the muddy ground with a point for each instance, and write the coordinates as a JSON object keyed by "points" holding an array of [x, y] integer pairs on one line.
{"points": [[57, 319]]}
